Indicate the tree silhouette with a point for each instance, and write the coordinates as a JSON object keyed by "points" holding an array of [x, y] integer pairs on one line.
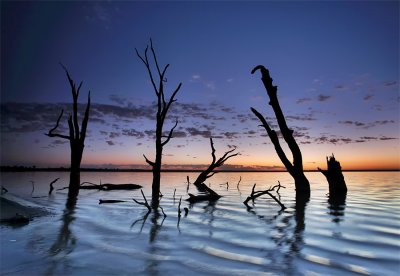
{"points": [[163, 106], [295, 169], [210, 171], [76, 136], [334, 175]]}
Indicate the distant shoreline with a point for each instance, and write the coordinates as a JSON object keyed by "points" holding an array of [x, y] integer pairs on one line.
{"points": [[62, 169]]}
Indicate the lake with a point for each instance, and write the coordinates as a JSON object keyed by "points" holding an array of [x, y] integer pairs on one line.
{"points": [[358, 235]]}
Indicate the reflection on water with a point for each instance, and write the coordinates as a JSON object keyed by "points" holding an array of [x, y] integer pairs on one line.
{"points": [[66, 241], [337, 205], [353, 234]]}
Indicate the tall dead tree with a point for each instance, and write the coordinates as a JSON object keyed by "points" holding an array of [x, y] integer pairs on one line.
{"points": [[296, 168], [163, 106], [76, 136]]}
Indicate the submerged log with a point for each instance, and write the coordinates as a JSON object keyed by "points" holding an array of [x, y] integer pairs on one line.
{"points": [[102, 201], [203, 197], [109, 186], [334, 175]]}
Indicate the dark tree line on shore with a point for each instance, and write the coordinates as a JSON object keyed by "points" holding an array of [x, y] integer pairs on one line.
{"points": [[77, 135]]}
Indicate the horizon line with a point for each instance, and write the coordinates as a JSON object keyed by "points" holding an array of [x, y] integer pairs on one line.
{"points": [[88, 169]]}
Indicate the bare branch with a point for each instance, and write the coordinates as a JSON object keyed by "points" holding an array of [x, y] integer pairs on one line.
{"points": [[256, 194], [148, 161], [51, 185], [212, 151], [274, 139], [147, 64], [240, 179], [155, 58], [171, 100], [85, 120], [51, 134], [170, 134], [145, 203]]}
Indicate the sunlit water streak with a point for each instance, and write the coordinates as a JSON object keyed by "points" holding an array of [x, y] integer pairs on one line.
{"points": [[357, 236]]}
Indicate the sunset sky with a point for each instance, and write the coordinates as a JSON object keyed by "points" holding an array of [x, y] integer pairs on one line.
{"points": [[336, 65]]}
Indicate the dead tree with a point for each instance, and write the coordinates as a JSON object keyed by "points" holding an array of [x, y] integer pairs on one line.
{"points": [[209, 172], [335, 177], [296, 169], [76, 135], [163, 106]]}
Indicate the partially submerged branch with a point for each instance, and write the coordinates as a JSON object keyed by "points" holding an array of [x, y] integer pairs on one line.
{"points": [[51, 185], [255, 194], [109, 186], [145, 203]]}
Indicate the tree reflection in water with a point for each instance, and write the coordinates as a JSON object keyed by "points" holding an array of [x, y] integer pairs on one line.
{"points": [[288, 235], [66, 240], [337, 206]]}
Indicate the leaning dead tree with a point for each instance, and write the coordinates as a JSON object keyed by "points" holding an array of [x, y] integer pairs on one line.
{"points": [[209, 172], [335, 177], [163, 106], [296, 168], [76, 135]]}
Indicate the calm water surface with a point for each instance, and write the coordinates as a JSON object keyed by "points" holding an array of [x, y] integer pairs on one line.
{"points": [[357, 235]]}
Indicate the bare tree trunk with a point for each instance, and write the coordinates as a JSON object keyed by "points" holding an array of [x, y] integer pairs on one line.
{"points": [[162, 110], [334, 175], [296, 169], [76, 137]]}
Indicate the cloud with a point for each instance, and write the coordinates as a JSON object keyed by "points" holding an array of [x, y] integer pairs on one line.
{"points": [[367, 125], [230, 135], [323, 98], [390, 83], [133, 133], [195, 132], [302, 100], [110, 143], [368, 97]]}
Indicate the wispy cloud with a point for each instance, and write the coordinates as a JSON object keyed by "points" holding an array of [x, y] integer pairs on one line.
{"points": [[302, 100], [323, 98], [367, 125]]}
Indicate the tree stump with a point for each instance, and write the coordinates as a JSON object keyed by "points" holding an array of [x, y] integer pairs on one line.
{"points": [[334, 175]]}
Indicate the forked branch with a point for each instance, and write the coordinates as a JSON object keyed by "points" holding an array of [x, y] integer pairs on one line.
{"points": [[210, 171], [256, 194]]}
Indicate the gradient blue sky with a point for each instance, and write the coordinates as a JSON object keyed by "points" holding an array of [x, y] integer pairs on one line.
{"points": [[336, 65]]}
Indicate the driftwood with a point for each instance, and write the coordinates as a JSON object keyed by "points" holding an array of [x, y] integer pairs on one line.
{"points": [[334, 175], [102, 201], [256, 194], [109, 186], [295, 169], [16, 220]]}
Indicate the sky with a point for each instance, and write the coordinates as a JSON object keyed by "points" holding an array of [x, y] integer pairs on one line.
{"points": [[336, 65]]}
